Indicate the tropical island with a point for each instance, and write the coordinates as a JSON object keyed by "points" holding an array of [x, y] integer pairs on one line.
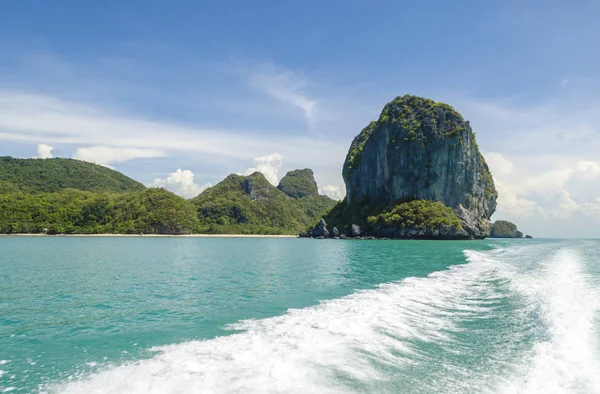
{"points": [[66, 196], [416, 172]]}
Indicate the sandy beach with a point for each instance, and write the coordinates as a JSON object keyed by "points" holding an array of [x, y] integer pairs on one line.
{"points": [[155, 235]]}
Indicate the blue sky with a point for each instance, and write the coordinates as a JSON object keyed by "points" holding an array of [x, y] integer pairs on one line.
{"points": [[180, 94]]}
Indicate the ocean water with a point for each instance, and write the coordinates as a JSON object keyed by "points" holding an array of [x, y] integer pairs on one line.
{"points": [[230, 315]]}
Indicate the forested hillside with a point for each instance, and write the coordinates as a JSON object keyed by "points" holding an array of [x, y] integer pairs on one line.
{"points": [[64, 196], [250, 204], [70, 211], [50, 175]]}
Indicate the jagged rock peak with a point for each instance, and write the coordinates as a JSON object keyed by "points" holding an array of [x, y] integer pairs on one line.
{"points": [[257, 186], [299, 184]]}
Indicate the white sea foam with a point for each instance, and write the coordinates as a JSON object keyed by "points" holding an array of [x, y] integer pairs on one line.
{"points": [[565, 359], [338, 346]]}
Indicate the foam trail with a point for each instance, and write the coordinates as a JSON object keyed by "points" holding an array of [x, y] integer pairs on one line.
{"points": [[339, 346], [565, 359], [516, 320]]}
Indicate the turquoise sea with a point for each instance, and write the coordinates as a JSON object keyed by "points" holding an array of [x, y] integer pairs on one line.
{"points": [[264, 315]]}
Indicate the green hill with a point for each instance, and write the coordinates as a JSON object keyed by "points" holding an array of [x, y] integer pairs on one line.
{"points": [[70, 211], [50, 175], [65, 196], [250, 204]]}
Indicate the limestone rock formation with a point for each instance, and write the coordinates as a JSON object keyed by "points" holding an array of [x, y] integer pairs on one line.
{"points": [[418, 149]]}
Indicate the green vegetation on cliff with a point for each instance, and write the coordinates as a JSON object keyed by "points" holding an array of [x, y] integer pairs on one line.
{"points": [[416, 214], [70, 211], [358, 144], [401, 215], [50, 175], [415, 115], [251, 205]]}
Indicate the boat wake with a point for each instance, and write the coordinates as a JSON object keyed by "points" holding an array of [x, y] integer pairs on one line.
{"points": [[484, 326]]}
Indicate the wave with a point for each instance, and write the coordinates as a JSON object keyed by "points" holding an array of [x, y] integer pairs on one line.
{"points": [[565, 356], [483, 326]]}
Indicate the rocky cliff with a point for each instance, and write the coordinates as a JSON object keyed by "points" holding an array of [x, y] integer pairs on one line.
{"points": [[418, 149]]}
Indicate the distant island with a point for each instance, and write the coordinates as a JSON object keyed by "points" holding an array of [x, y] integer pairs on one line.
{"points": [[66, 196], [506, 229], [416, 173]]}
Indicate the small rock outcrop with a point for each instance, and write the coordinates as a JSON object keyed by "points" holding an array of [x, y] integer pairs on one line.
{"points": [[519, 234], [356, 230], [505, 229], [320, 229]]}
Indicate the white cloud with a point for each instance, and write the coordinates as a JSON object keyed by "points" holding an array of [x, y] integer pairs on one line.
{"points": [[546, 182], [180, 182], [554, 127], [556, 180], [564, 83], [508, 200], [498, 164], [105, 155], [44, 151], [592, 207], [28, 117], [334, 192], [287, 87], [563, 205], [587, 170], [510, 203], [542, 195], [269, 166]]}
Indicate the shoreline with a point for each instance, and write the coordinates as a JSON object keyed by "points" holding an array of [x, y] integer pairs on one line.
{"points": [[155, 235]]}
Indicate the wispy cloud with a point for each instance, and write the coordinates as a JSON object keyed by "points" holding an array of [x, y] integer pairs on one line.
{"points": [[26, 117], [106, 155], [549, 128], [288, 87], [334, 192]]}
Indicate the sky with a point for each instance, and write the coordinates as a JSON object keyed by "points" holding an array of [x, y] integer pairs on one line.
{"points": [[180, 94]]}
